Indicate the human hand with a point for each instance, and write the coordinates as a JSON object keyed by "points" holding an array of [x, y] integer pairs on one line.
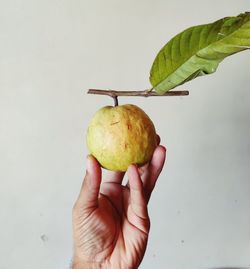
{"points": [[110, 221]]}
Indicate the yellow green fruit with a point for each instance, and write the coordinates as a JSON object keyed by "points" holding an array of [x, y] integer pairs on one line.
{"points": [[121, 135]]}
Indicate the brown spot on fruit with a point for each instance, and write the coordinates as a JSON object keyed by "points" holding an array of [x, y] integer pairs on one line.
{"points": [[113, 123]]}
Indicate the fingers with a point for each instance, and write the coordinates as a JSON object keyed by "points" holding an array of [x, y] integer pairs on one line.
{"points": [[144, 169], [88, 197], [114, 177], [151, 175], [137, 198]]}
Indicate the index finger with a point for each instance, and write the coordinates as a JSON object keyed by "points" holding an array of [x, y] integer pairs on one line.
{"points": [[153, 170]]}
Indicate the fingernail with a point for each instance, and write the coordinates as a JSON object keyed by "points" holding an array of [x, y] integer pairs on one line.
{"points": [[135, 165], [164, 148], [132, 165], [140, 170]]}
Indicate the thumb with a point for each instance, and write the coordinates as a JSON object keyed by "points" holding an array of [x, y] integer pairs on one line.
{"points": [[88, 197]]}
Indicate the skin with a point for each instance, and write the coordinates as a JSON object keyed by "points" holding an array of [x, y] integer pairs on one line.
{"points": [[121, 135], [110, 221]]}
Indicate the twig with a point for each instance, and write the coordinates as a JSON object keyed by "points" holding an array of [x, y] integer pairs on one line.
{"points": [[145, 93]]}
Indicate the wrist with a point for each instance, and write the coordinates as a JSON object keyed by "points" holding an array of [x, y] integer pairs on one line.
{"points": [[86, 265], [79, 264]]}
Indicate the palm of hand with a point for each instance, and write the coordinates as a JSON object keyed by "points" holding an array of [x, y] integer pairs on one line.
{"points": [[112, 230]]}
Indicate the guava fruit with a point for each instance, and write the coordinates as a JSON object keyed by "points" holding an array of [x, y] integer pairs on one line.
{"points": [[121, 135]]}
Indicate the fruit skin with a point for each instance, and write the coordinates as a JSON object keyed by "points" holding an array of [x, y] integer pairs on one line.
{"points": [[120, 136]]}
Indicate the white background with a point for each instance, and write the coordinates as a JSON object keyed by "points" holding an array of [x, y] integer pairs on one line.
{"points": [[50, 53]]}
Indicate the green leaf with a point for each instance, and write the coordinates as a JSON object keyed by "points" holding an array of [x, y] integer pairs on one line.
{"points": [[198, 50]]}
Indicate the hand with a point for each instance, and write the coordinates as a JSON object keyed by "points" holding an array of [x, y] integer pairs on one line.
{"points": [[110, 221]]}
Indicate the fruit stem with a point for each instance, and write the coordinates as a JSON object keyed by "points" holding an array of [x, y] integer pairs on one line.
{"points": [[115, 100]]}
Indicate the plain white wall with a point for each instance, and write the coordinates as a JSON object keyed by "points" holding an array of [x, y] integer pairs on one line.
{"points": [[51, 52]]}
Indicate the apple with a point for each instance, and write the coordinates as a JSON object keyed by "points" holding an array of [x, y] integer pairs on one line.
{"points": [[121, 135]]}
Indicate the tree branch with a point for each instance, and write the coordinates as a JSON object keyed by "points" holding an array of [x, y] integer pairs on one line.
{"points": [[145, 93]]}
